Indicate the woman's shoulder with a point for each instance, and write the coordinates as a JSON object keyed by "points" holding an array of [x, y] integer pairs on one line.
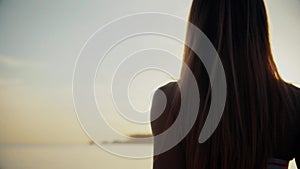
{"points": [[161, 116], [164, 95], [296, 98], [294, 87], [294, 92], [169, 87]]}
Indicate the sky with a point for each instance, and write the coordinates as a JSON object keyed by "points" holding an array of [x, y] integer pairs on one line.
{"points": [[39, 44]]}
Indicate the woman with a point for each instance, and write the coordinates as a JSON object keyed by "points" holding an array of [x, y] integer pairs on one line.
{"points": [[258, 129]]}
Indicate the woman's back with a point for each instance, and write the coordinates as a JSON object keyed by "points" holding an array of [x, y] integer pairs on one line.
{"points": [[288, 146]]}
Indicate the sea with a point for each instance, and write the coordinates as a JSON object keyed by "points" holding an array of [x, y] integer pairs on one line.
{"points": [[75, 156]]}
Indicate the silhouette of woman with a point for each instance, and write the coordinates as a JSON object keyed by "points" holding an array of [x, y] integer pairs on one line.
{"points": [[258, 129]]}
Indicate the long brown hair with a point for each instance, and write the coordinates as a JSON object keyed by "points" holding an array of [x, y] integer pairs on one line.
{"points": [[257, 99]]}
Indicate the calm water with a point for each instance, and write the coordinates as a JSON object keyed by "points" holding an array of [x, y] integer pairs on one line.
{"points": [[68, 156], [64, 157]]}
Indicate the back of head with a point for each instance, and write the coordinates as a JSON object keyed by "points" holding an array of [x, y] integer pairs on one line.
{"points": [[256, 97]]}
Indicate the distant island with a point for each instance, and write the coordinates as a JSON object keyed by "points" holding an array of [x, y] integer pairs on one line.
{"points": [[147, 139]]}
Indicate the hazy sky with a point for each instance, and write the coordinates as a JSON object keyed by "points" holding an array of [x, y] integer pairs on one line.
{"points": [[39, 44]]}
